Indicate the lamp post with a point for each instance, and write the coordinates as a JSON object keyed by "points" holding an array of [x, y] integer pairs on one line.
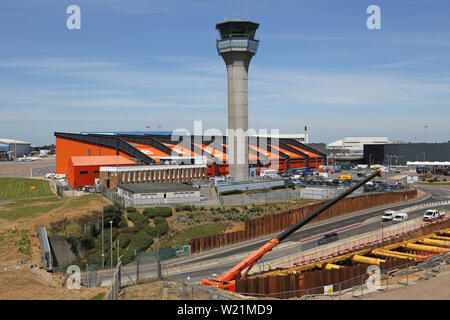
{"points": [[110, 224], [103, 241]]}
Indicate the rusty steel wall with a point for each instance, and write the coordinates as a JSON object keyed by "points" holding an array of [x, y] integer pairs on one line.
{"points": [[308, 282], [276, 222]]}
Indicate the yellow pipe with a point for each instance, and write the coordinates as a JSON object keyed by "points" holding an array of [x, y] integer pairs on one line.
{"points": [[390, 254], [330, 266], [421, 247], [441, 238], [362, 259], [436, 242], [403, 254]]}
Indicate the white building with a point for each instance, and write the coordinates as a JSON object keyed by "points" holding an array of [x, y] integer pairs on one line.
{"points": [[354, 144], [16, 148], [148, 194]]}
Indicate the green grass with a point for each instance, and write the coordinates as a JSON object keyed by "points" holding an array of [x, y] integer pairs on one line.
{"points": [[203, 230], [28, 203], [19, 188], [100, 296], [19, 210]]}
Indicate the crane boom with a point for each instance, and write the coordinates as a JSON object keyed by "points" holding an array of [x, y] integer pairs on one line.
{"points": [[228, 280]]}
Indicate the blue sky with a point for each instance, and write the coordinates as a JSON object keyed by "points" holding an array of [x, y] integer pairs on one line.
{"points": [[137, 63]]}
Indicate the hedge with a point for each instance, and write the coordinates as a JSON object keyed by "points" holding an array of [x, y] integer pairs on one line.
{"points": [[228, 192], [141, 241], [130, 209], [158, 212]]}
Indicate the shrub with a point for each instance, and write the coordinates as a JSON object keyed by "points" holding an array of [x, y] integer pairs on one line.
{"points": [[73, 229], [158, 212], [141, 241], [216, 219], [228, 192], [124, 239], [158, 220], [151, 231], [162, 228], [278, 187], [112, 213], [130, 209], [138, 219]]}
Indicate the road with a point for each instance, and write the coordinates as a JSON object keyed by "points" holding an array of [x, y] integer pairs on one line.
{"points": [[221, 260]]}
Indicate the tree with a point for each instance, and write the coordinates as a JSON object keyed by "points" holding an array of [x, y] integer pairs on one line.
{"points": [[112, 213]]}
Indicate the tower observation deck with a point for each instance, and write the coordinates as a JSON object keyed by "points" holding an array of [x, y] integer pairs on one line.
{"points": [[237, 46]]}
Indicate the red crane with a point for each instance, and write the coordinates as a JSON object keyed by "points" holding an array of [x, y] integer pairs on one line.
{"points": [[228, 280]]}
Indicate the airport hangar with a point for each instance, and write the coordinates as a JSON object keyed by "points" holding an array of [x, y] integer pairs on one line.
{"points": [[168, 158]]}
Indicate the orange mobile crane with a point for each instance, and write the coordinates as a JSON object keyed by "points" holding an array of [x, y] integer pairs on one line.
{"points": [[228, 280]]}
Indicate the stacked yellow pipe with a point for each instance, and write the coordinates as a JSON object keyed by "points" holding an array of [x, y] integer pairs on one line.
{"points": [[394, 254], [367, 260], [421, 247], [436, 242], [330, 266], [441, 238]]}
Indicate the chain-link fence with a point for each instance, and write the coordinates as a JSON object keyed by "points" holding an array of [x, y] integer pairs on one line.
{"points": [[113, 292]]}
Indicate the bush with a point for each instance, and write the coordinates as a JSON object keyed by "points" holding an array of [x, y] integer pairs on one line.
{"points": [[130, 209], [158, 212], [151, 231], [73, 229], [138, 220], [112, 213], [162, 228], [224, 193], [216, 219], [278, 187], [124, 239], [158, 220], [141, 241]]}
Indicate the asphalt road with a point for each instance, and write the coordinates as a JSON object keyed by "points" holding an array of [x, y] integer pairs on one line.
{"points": [[195, 274]]}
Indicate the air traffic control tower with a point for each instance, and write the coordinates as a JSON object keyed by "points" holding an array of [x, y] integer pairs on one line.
{"points": [[237, 46]]}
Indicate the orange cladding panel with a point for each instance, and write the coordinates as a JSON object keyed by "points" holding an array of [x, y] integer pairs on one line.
{"points": [[66, 148]]}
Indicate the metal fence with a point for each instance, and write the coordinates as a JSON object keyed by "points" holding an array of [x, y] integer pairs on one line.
{"points": [[367, 283], [113, 292]]}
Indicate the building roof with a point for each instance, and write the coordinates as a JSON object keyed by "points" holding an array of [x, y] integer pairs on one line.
{"points": [[11, 141], [157, 187], [101, 161]]}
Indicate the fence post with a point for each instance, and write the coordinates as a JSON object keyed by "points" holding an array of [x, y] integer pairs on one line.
{"points": [[137, 269]]}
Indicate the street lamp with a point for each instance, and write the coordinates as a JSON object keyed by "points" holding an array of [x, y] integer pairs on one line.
{"points": [[110, 224], [103, 241]]}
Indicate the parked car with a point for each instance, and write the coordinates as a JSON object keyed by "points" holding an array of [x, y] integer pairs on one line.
{"points": [[329, 237], [388, 215], [400, 217], [432, 214], [202, 198]]}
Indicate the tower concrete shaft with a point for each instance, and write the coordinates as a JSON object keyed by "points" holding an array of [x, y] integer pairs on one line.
{"points": [[237, 70], [237, 46]]}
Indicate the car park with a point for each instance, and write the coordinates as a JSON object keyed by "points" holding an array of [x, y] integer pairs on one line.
{"points": [[432, 214], [400, 217], [327, 238]]}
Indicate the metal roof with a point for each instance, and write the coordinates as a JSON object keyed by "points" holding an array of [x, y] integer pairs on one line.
{"points": [[101, 161], [11, 141]]}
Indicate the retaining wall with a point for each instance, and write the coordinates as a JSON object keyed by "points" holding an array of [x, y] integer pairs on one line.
{"points": [[276, 222]]}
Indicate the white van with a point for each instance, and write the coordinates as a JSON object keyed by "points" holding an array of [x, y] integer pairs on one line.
{"points": [[432, 214], [388, 215], [400, 216]]}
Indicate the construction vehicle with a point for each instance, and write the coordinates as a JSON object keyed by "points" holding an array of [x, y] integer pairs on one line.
{"points": [[228, 280]]}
